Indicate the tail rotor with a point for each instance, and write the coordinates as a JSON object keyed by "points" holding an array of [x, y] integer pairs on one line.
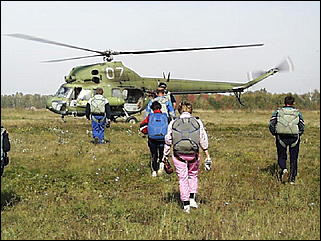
{"points": [[285, 66]]}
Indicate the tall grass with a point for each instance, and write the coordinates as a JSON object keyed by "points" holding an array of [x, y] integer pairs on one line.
{"points": [[59, 185]]}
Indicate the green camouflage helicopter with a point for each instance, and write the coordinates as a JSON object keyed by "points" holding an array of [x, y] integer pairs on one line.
{"points": [[127, 92]]}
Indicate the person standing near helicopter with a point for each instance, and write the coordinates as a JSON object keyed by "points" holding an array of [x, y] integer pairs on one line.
{"points": [[168, 94], [98, 111], [167, 106]]}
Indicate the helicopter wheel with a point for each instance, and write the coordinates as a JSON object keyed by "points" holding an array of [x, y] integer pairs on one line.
{"points": [[132, 120]]}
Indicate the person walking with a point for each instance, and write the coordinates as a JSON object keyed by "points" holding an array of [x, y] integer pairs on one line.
{"points": [[167, 106], [187, 136], [98, 111], [5, 148], [287, 125], [155, 126], [168, 94]]}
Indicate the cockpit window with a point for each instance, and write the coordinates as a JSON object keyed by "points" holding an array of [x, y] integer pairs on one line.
{"points": [[84, 95], [63, 92]]}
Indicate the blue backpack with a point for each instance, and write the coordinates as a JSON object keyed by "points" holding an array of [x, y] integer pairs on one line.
{"points": [[157, 126]]}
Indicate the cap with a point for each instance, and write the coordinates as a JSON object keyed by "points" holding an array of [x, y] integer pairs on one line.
{"points": [[162, 85]]}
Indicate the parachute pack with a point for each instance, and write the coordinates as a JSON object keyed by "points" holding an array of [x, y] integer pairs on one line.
{"points": [[157, 126], [287, 121], [163, 100], [97, 104], [186, 136]]}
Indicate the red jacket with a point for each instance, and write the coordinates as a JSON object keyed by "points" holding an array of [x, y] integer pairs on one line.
{"points": [[144, 123]]}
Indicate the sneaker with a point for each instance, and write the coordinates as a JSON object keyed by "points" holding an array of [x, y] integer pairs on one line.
{"points": [[292, 183], [161, 168], [187, 209], [154, 174], [193, 203], [285, 176]]}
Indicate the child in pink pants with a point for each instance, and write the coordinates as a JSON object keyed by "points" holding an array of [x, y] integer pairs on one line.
{"points": [[187, 166]]}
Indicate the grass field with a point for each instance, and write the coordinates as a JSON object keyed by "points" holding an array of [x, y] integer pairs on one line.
{"points": [[59, 185]]}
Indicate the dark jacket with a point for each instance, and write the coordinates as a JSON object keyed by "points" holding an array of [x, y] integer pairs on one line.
{"points": [[5, 145]]}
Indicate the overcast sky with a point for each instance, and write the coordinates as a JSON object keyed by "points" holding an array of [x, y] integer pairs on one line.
{"points": [[286, 29]]}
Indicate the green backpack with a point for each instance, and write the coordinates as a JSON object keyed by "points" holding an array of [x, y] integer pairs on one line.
{"points": [[287, 121], [97, 104]]}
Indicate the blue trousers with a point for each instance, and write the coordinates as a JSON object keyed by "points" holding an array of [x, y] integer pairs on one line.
{"points": [[98, 124]]}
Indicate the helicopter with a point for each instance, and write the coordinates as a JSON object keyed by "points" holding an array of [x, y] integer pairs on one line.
{"points": [[127, 92]]}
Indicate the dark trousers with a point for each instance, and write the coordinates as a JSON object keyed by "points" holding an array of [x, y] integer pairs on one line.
{"points": [[294, 153], [156, 148]]}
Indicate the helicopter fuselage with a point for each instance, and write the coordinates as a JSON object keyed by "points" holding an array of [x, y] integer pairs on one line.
{"points": [[126, 91]]}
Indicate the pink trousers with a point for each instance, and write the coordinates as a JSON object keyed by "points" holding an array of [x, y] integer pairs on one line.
{"points": [[187, 173]]}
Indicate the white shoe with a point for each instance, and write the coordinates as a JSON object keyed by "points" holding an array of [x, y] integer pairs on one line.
{"points": [[154, 174], [285, 176], [187, 209], [161, 168], [193, 203]]}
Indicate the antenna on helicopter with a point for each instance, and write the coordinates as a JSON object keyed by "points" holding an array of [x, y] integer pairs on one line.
{"points": [[108, 54]]}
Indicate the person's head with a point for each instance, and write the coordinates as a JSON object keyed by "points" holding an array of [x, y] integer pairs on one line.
{"points": [[160, 92], [156, 106], [289, 100], [185, 106], [162, 85], [99, 91]]}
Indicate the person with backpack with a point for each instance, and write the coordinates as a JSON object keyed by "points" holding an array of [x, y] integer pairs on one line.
{"points": [[155, 126], [168, 94], [167, 106], [187, 136], [98, 111], [5, 148], [287, 125]]}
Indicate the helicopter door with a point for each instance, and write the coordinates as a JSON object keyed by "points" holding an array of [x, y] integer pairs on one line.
{"points": [[133, 99], [74, 96]]}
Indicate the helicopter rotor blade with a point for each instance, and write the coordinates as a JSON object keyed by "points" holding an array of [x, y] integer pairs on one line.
{"points": [[60, 60], [32, 38], [186, 49]]}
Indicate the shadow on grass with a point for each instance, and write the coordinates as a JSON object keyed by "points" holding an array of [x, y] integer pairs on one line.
{"points": [[273, 170], [9, 199]]}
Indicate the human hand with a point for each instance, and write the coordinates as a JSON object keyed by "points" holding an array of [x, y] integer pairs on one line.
{"points": [[208, 164]]}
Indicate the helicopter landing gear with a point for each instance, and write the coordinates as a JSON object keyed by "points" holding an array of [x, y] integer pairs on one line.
{"points": [[132, 120], [238, 97], [63, 118]]}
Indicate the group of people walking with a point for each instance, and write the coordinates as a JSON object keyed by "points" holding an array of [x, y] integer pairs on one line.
{"points": [[187, 137]]}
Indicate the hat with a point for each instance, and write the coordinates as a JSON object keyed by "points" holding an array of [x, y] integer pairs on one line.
{"points": [[162, 85]]}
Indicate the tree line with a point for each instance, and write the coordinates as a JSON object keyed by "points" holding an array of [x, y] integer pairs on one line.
{"points": [[260, 99]]}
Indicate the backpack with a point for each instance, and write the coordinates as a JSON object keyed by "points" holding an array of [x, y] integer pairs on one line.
{"points": [[186, 135], [163, 101], [157, 126], [287, 121], [97, 104]]}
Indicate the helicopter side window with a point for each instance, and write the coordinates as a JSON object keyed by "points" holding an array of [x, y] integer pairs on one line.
{"points": [[117, 93], [63, 92], [84, 95]]}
